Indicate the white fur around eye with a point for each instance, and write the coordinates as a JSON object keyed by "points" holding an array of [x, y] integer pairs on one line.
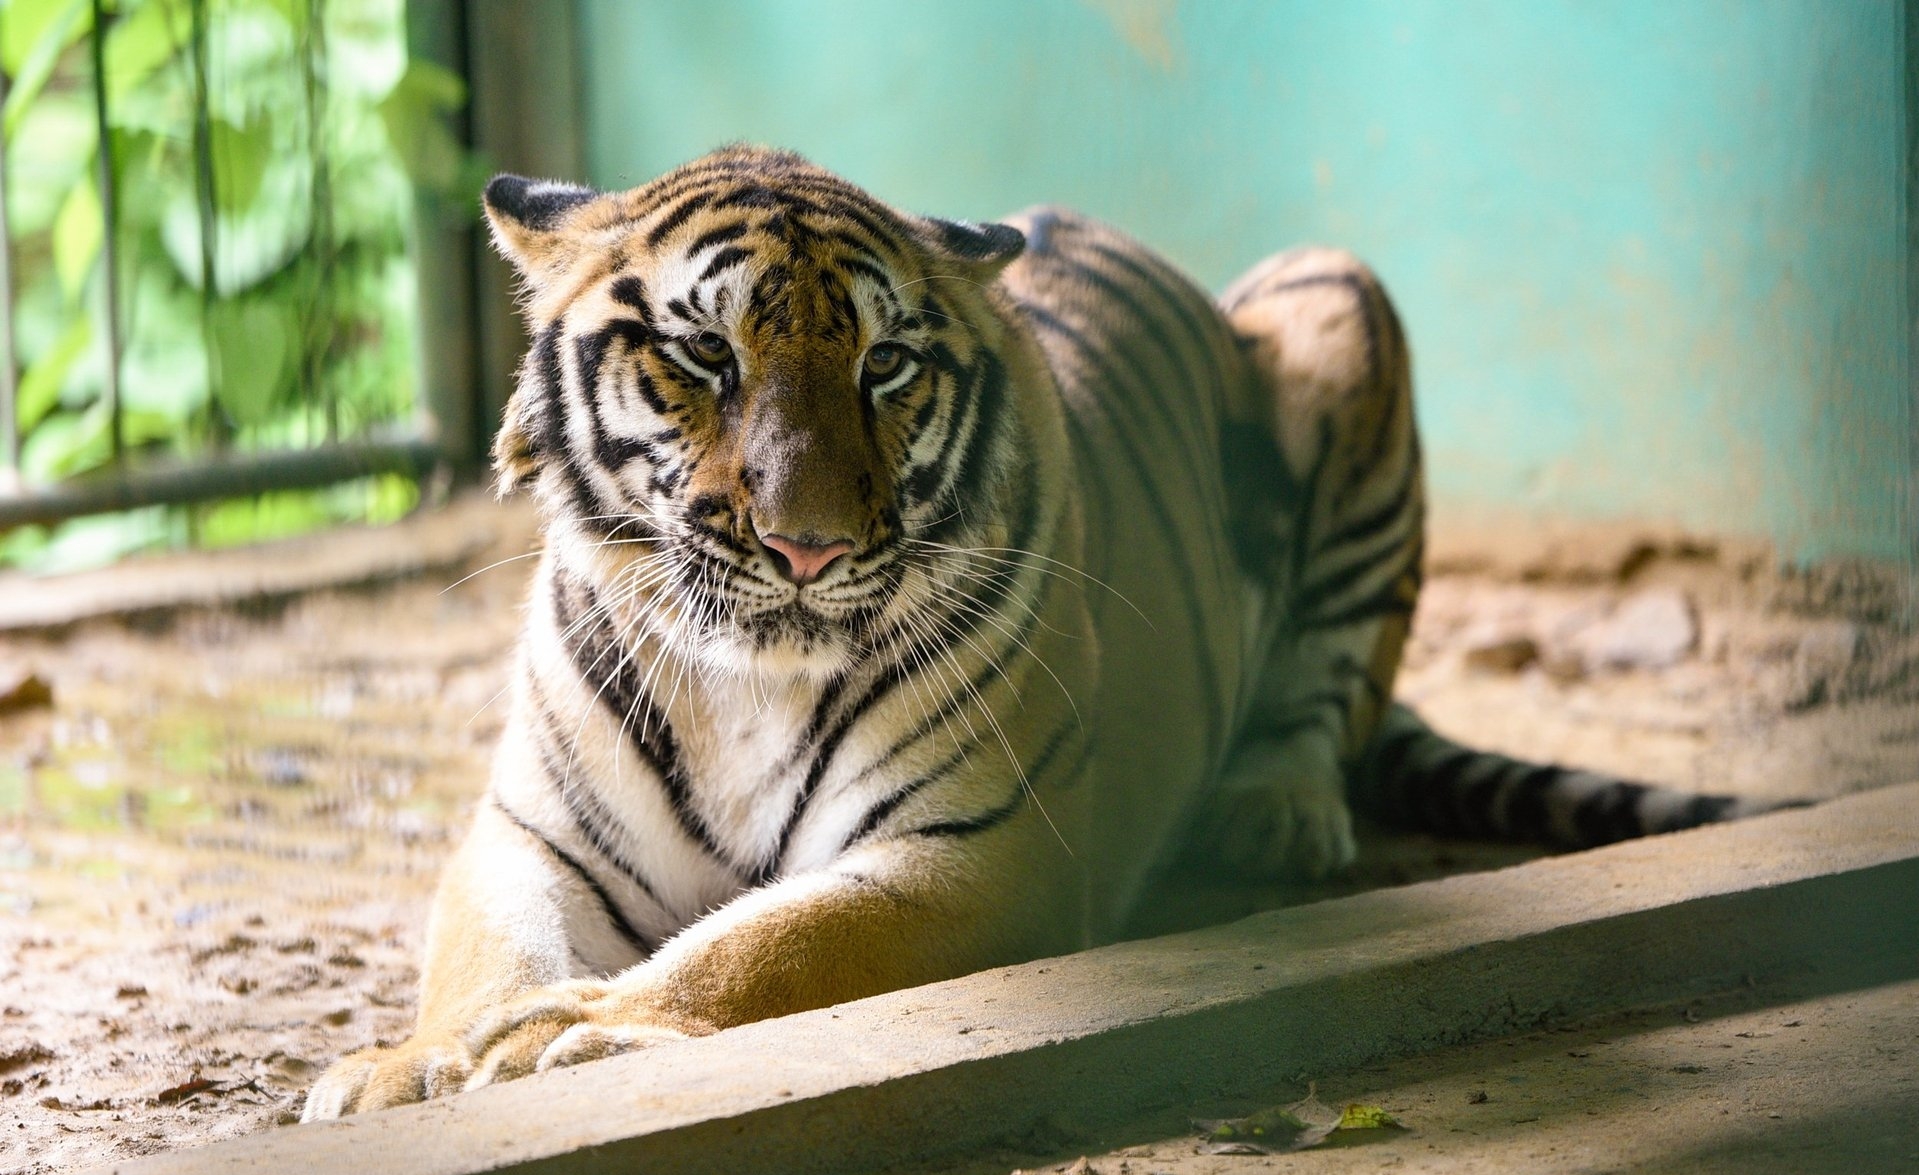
{"points": [[677, 351], [909, 367]]}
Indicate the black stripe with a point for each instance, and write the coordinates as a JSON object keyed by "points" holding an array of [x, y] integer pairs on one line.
{"points": [[1528, 812], [640, 943], [1335, 581], [1197, 456], [1392, 599], [1185, 563], [1386, 513], [612, 452], [724, 260], [971, 825], [717, 236], [1179, 296], [629, 291], [621, 691], [890, 803], [595, 821], [543, 364], [687, 208], [925, 484], [1609, 814]]}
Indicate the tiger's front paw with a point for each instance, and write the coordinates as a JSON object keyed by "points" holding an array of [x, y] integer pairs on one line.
{"points": [[1270, 819], [1270, 834], [567, 1024], [375, 1078]]}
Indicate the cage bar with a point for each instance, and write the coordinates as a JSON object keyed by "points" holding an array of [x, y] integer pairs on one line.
{"points": [[110, 233], [9, 360], [242, 475]]}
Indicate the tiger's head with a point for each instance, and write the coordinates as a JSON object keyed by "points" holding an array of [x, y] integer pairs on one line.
{"points": [[752, 386]]}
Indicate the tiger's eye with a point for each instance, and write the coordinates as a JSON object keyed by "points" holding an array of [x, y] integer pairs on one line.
{"points": [[710, 349], [884, 360]]}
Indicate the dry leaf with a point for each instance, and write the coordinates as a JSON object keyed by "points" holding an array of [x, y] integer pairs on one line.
{"points": [[1358, 1117], [1303, 1124]]}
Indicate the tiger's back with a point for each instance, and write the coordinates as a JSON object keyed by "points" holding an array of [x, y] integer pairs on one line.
{"points": [[1150, 377]]}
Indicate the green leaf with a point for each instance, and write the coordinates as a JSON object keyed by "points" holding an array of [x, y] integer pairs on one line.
{"points": [[365, 58], [22, 24], [164, 371], [141, 42], [40, 385], [51, 150], [36, 33], [414, 114], [1359, 1117], [240, 158], [252, 347], [67, 443], [81, 543], [256, 242], [78, 230]]}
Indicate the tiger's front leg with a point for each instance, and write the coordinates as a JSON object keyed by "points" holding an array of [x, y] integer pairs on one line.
{"points": [[885, 915], [497, 931]]}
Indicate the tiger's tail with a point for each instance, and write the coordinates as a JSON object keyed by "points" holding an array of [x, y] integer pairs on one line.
{"points": [[1414, 777]]}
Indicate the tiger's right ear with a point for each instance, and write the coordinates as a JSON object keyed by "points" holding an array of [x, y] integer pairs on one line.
{"points": [[528, 219], [980, 250]]}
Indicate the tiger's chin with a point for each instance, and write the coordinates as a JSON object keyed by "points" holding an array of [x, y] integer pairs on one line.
{"points": [[790, 641]]}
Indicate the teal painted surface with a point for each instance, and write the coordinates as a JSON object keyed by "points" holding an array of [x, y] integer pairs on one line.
{"points": [[1651, 254]]}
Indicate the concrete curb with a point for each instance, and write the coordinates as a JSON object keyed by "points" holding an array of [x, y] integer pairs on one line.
{"points": [[1825, 897]]}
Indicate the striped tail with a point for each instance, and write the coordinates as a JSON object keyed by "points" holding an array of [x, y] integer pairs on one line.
{"points": [[1414, 777]]}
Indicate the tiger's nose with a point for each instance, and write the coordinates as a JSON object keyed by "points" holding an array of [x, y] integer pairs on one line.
{"points": [[803, 562]]}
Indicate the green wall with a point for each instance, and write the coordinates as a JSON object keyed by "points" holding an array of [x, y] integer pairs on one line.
{"points": [[1651, 253]]}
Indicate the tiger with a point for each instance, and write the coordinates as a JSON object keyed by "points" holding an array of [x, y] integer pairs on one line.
{"points": [[912, 590]]}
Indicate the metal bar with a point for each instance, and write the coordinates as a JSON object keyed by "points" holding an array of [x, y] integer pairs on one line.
{"points": [[206, 196], [110, 234], [239, 476], [1909, 17], [446, 247], [9, 362], [317, 341], [515, 49]]}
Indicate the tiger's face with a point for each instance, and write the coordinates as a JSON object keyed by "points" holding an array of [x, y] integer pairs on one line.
{"points": [[751, 386]]}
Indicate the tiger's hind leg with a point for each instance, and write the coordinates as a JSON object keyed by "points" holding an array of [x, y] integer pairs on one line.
{"points": [[1337, 521]]}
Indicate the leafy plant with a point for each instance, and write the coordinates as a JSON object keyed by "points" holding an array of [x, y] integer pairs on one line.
{"points": [[267, 154]]}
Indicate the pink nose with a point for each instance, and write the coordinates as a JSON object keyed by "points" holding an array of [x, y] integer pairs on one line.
{"points": [[803, 562]]}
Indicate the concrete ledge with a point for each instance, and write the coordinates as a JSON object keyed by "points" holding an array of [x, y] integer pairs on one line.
{"points": [[1824, 897]]}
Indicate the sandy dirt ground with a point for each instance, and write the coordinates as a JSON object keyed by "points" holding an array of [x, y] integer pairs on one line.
{"points": [[218, 841]]}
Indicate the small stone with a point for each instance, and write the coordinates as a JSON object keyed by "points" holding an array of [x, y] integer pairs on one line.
{"points": [[1648, 630], [1502, 655], [23, 689], [22, 1055]]}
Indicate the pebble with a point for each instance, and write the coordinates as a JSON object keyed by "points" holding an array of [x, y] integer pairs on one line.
{"points": [[1651, 629], [1505, 654]]}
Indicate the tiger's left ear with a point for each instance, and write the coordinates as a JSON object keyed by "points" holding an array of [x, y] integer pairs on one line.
{"points": [[528, 218], [982, 250]]}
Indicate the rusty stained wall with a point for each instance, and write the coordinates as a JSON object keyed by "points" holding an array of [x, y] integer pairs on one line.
{"points": [[1651, 252]]}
